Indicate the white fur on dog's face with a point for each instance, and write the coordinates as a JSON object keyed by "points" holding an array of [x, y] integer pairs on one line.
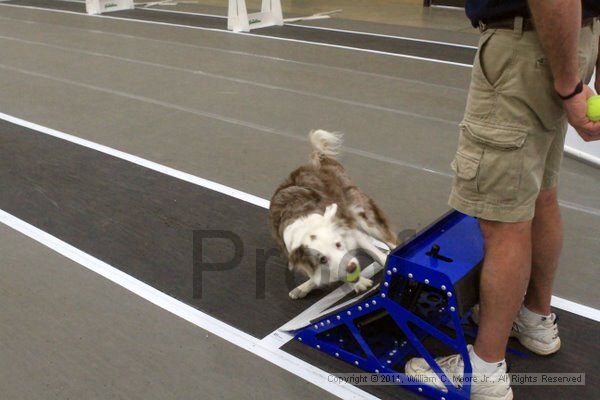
{"points": [[328, 243], [332, 245]]}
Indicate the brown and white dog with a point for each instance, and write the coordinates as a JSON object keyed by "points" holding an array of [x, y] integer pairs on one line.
{"points": [[319, 218]]}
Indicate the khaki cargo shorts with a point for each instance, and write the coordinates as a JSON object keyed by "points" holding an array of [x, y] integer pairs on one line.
{"points": [[512, 136]]}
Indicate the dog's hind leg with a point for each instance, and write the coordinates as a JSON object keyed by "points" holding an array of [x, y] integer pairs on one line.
{"points": [[370, 218], [378, 226], [380, 232], [303, 289]]}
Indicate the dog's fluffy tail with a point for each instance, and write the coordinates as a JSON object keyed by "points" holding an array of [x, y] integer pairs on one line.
{"points": [[324, 144]]}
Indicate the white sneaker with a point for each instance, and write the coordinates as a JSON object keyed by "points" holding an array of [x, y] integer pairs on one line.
{"points": [[489, 387], [540, 337]]}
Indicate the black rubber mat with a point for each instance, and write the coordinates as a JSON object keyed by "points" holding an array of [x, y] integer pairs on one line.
{"points": [[447, 3], [579, 354], [435, 51], [53, 5], [142, 222]]}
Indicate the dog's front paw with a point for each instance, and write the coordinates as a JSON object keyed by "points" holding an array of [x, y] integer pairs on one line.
{"points": [[362, 284], [298, 293]]}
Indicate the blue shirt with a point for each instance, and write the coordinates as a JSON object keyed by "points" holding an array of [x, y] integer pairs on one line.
{"points": [[491, 10]]}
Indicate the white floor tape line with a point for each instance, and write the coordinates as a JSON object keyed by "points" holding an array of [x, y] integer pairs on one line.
{"points": [[200, 72], [222, 118], [217, 187], [577, 154], [321, 15], [281, 336], [247, 342], [576, 308], [245, 54], [322, 28], [337, 46], [567, 305]]}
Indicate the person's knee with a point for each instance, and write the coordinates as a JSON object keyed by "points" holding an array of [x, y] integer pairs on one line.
{"points": [[507, 245], [546, 199], [505, 231]]}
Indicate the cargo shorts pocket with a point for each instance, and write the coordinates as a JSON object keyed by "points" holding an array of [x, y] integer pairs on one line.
{"points": [[491, 72], [465, 167], [495, 136], [488, 163]]}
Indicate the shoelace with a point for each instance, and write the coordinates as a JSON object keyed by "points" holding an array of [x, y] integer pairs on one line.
{"points": [[449, 364], [452, 365], [555, 326]]}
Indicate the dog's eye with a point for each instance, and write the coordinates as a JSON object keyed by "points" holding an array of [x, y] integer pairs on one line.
{"points": [[323, 260], [338, 245]]}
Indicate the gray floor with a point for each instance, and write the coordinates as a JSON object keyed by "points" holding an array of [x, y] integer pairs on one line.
{"points": [[68, 333], [236, 110], [193, 103]]}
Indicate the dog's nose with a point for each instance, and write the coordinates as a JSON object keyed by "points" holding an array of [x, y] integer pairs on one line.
{"points": [[351, 267]]}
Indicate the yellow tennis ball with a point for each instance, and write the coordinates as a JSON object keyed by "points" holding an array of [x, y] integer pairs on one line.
{"points": [[593, 108], [353, 277]]}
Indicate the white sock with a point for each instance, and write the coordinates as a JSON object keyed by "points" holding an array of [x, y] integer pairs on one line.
{"points": [[483, 367], [530, 317]]}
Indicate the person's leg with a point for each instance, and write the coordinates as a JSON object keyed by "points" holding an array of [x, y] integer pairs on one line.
{"points": [[504, 278], [546, 245]]}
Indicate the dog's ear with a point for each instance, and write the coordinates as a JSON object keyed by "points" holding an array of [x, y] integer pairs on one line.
{"points": [[330, 211], [300, 259]]}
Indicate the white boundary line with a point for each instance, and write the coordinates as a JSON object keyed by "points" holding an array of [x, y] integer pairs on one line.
{"points": [[321, 28], [247, 342], [199, 72], [563, 304], [242, 53], [576, 308], [217, 187], [412, 39], [336, 46], [448, 7], [281, 336], [224, 119], [570, 151]]}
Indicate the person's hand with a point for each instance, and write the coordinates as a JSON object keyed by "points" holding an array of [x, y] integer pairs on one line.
{"points": [[576, 108]]}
